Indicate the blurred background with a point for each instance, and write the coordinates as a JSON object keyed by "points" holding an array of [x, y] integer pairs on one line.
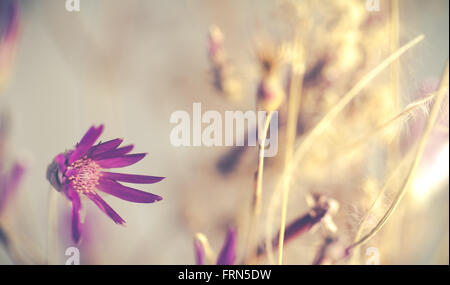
{"points": [[131, 64]]}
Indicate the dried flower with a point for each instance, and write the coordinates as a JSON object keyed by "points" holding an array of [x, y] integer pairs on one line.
{"points": [[270, 93], [216, 50], [223, 79], [321, 212], [79, 171]]}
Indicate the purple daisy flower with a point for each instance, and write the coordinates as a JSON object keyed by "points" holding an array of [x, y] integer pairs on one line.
{"points": [[80, 172]]}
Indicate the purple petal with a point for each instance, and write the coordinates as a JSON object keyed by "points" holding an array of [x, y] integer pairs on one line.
{"points": [[131, 178], [86, 142], [126, 193], [113, 153], [60, 160], [76, 221], [122, 161], [9, 23], [106, 146], [299, 226], [228, 252], [199, 252], [105, 208]]}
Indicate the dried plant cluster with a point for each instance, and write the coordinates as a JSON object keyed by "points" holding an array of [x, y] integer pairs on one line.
{"points": [[335, 79]]}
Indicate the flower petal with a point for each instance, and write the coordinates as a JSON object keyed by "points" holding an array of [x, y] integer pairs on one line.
{"points": [[86, 142], [199, 252], [106, 146], [60, 160], [228, 252], [105, 208], [76, 220], [132, 178], [121, 161], [126, 193], [113, 153]]}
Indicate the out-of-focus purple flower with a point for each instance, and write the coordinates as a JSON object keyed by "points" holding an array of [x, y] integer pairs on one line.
{"points": [[80, 172], [200, 252], [222, 70], [270, 91], [9, 183], [228, 252], [215, 48], [9, 26], [9, 19], [226, 256]]}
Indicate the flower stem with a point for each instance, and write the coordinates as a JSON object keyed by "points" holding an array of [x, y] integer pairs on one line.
{"points": [[257, 199], [291, 132]]}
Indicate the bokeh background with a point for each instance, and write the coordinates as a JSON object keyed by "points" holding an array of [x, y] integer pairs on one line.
{"points": [[129, 65]]}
